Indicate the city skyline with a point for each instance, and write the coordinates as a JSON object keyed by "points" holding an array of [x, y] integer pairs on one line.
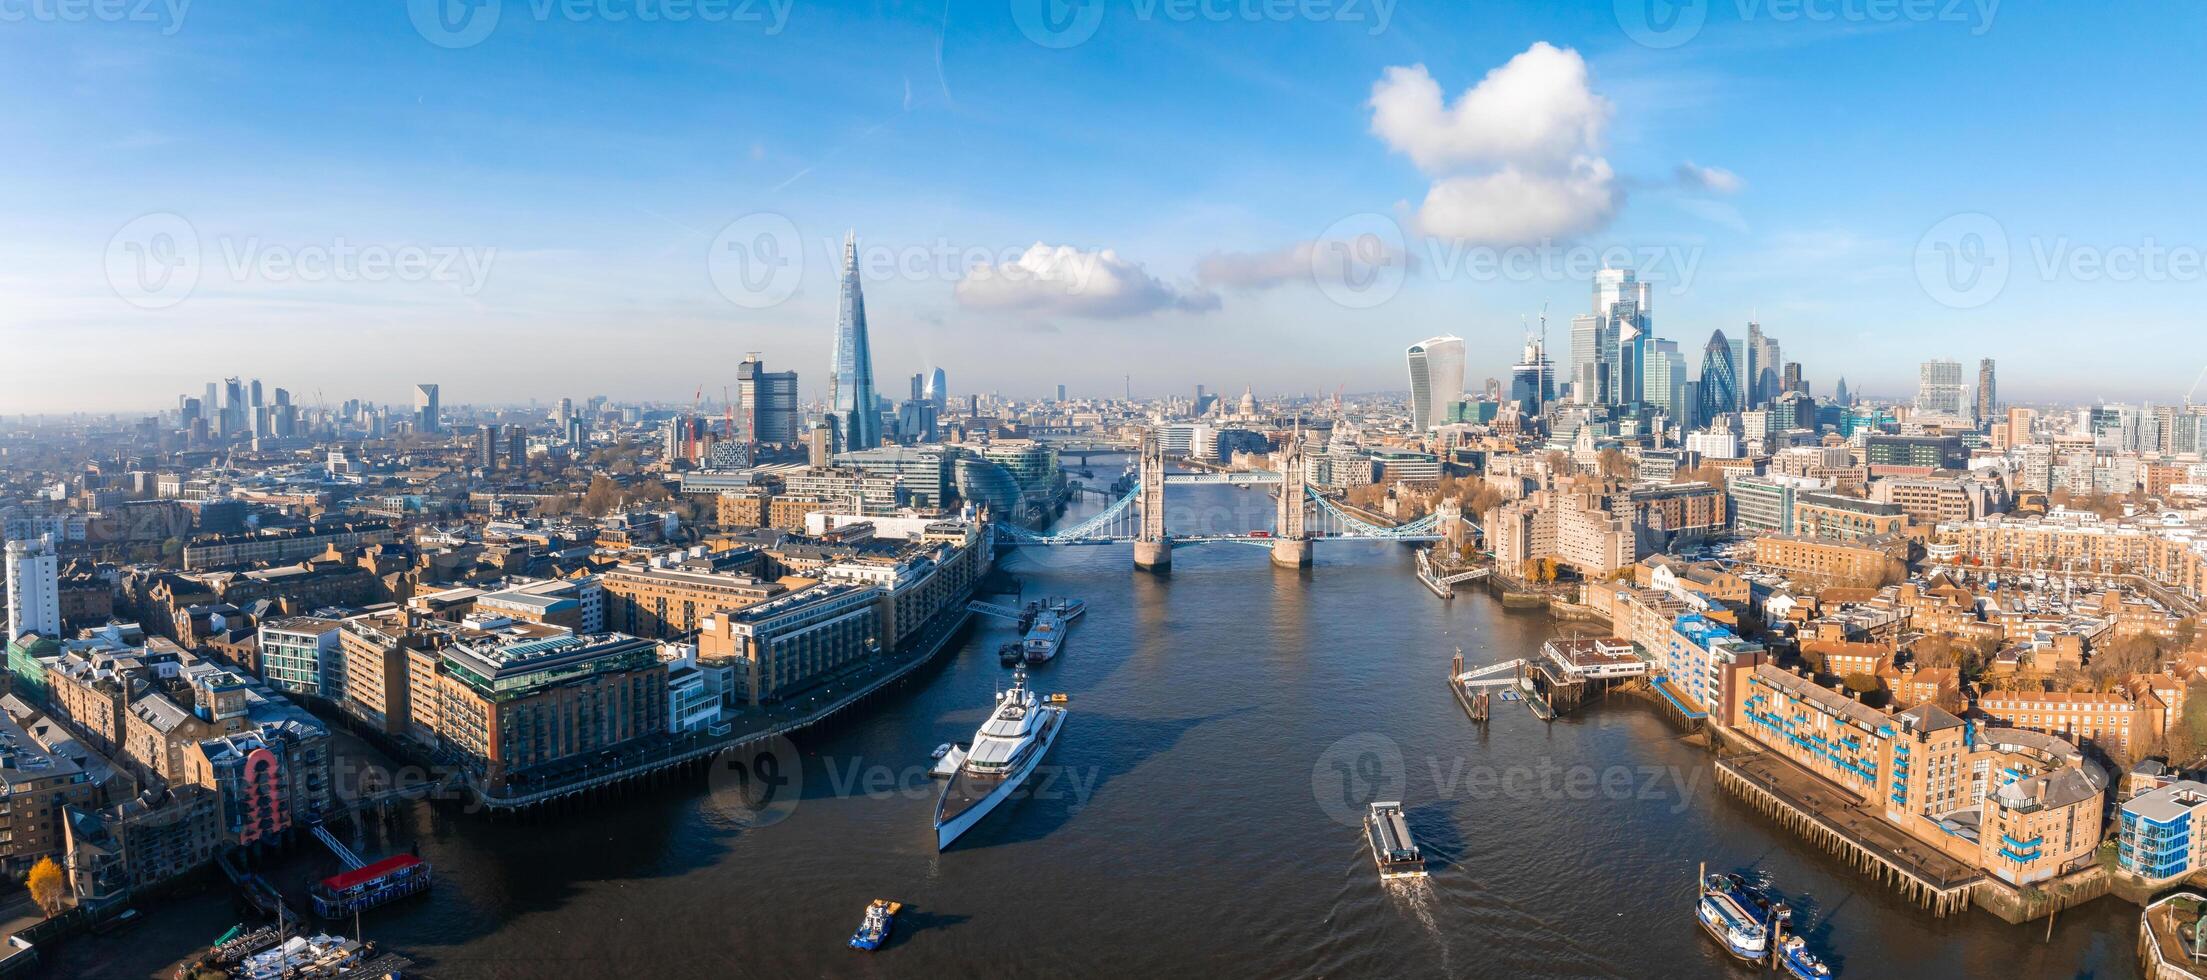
{"points": [[1677, 157]]}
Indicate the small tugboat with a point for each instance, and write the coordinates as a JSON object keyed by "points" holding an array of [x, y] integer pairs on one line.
{"points": [[1737, 916], [1392, 849], [1794, 957], [1011, 654], [873, 930]]}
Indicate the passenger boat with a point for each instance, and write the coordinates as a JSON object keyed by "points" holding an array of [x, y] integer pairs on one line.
{"points": [[1006, 749], [1045, 638], [1392, 849], [1737, 916], [1796, 960], [873, 930]]}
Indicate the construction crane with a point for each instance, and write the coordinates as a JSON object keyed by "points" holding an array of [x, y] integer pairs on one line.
{"points": [[2195, 387]]}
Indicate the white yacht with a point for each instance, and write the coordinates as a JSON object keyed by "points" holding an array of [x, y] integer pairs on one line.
{"points": [[1006, 749]]}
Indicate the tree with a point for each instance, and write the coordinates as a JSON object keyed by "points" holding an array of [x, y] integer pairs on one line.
{"points": [[1614, 463], [46, 886], [603, 497]]}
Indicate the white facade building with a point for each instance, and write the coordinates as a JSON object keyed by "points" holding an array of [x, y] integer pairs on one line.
{"points": [[34, 588], [1436, 380]]}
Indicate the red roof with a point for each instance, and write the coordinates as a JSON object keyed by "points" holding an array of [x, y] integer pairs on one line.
{"points": [[338, 883]]}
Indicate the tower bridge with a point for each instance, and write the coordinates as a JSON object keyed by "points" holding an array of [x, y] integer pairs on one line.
{"points": [[1302, 516]]}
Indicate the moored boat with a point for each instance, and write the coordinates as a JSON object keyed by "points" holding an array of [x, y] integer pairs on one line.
{"points": [[1006, 749], [1045, 637], [873, 930], [1796, 960], [1737, 916]]}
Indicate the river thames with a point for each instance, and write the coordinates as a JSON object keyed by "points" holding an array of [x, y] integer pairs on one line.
{"points": [[1196, 818]]}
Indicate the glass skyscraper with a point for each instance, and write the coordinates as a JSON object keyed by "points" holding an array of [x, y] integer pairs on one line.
{"points": [[851, 399], [1720, 378], [1436, 380]]}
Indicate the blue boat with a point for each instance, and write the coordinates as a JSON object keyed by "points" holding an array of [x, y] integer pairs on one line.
{"points": [[873, 930], [1738, 916], [1794, 957]]}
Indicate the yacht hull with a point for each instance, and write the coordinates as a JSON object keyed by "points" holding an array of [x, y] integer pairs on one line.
{"points": [[948, 830]]}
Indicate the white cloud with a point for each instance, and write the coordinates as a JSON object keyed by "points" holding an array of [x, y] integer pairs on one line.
{"points": [[1518, 158], [1537, 111], [1514, 206], [1716, 180], [1065, 280]]}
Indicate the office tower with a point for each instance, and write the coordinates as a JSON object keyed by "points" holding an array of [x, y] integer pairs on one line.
{"points": [[919, 387], [255, 396], [1840, 395], [188, 411], [1939, 389], [851, 400], [1589, 343], [1987, 394], [566, 410], [426, 410], [34, 588], [1664, 380], [767, 403], [1720, 381], [1436, 380], [517, 447], [1532, 380], [210, 404], [574, 431], [1624, 332], [1061, 393], [938, 390], [1760, 381]]}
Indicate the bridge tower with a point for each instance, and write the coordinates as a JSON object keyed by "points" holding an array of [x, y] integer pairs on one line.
{"points": [[1152, 546], [1290, 542]]}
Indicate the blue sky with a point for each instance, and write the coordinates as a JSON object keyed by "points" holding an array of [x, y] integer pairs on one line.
{"points": [[586, 166]]}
